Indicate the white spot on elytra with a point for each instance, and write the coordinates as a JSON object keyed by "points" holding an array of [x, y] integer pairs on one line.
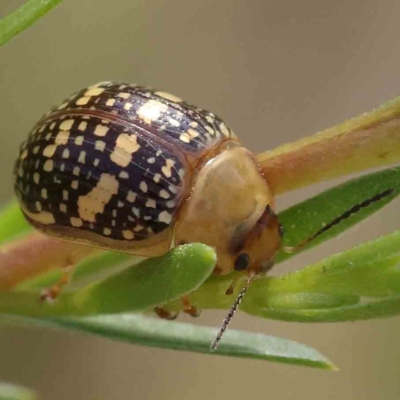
{"points": [[62, 137], [101, 130], [165, 217], [74, 185], [100, 145], [167, 168], [82, 101], [171, 204], [151, 111], [107, 231], [44, 217], [157, 178], [95, 201], [210, 130], [49, 150], [65, 153], [82, 157], [36, 178], [110, 102], [82, 126], [143, 187], [48, 165], [131, 197], [164, 194], [184, 137], [125, 146], [124, 95], [66, 125], [43, 193], [128, 235], [224, 129], [94, 92], [79, 140], [150, 203], [174, 122], [76, 222]]}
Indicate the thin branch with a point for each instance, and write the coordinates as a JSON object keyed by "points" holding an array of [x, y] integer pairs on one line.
{"points": [[24, 17]]}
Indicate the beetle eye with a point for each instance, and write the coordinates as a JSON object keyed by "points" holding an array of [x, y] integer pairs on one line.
{"points": [[242, 262]]}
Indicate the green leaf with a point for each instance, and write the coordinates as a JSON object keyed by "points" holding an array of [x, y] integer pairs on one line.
{"points": [[24, 17], [13, 392], [306, 218], [182, 336], [13, 223], [358, 284], [154, 282]]}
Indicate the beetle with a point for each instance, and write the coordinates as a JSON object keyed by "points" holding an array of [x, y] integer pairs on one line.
{"points": [[129, 168]]}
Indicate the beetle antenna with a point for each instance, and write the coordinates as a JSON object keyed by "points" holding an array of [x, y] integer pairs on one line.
{"points": [[340, 218], [231, 313]]}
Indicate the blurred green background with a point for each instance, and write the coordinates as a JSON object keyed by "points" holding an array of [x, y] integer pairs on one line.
{"points": [[275, 71]]}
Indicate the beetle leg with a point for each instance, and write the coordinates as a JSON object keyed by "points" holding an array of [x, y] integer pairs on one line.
{"points": [[233, 284], [165, 314], [52, 293], [189, 308]]}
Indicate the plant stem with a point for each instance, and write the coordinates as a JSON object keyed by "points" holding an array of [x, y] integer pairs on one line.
{"points": [[24, 17]]}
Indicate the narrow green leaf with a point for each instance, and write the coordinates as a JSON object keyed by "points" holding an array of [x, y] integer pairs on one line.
{"points": [[182, 336], [24, 17], [306, 218], [13, 223], [361, 283], [13, 392], [154, 282]]}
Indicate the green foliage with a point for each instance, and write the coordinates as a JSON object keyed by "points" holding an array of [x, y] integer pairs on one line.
{"points": [[182, 336], [155, 281], [12, 392], [24, 17], [358, 284]]}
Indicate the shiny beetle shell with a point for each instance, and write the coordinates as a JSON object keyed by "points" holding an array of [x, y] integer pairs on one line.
{"points": [[112, 161], [129, 168]]}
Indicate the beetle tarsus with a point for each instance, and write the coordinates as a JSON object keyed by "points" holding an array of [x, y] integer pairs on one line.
{"points": [[165, 314], [189, 308], [51, 293]]}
